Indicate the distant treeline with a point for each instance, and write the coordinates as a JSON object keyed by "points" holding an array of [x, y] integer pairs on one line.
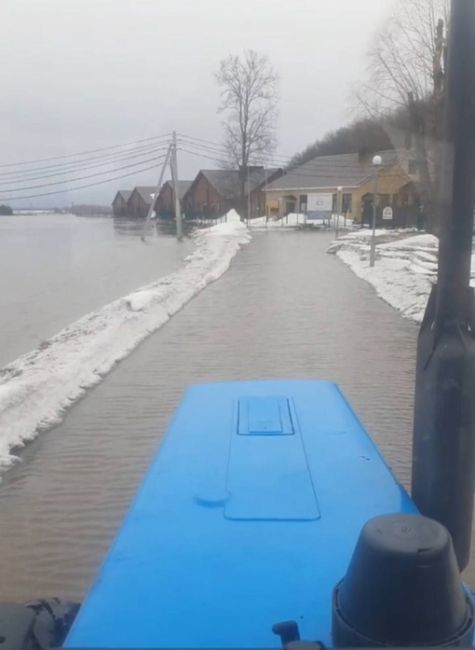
{"points": [[89, 210]]}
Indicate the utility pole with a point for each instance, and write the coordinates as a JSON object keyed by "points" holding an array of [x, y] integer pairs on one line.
{"points": [[443, 468], [176, 193], [159, 184]]}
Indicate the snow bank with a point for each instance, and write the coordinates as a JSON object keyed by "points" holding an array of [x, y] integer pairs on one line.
{"points": [[37, 388], [405, 266]]}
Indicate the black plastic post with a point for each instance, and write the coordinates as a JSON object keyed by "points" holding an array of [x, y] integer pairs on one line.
{"points": [[443, 473]]}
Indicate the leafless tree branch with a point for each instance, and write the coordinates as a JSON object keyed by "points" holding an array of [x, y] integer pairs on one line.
{"points": [[249, 101]]}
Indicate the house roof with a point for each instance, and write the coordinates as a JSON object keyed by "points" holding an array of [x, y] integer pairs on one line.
{"points": [[347, 170], [146, 192], [123, 194], [224, 181], [227, 182], [183, 187]]}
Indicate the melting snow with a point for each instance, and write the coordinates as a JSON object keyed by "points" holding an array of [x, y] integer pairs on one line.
{"points": [[405, 269], [37, 388]]}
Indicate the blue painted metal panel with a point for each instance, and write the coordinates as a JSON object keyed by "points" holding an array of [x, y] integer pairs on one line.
{"points": [[261, 416], [184, 572]]}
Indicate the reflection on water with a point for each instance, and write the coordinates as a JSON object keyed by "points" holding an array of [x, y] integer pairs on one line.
{"points": [[144, 228], [56, 268], [284, 309]]}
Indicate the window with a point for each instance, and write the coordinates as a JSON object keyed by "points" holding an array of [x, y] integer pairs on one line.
{"points": [[347, 203]]}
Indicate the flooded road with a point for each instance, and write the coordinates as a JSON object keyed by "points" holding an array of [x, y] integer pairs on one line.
{"points": [[284, 309]]}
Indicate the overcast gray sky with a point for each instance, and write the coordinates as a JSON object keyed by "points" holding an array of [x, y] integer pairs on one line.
{"points": [[81, 74]]}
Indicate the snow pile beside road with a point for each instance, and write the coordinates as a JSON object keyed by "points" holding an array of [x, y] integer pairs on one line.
{"points": [[405, 266], [37, 388]]}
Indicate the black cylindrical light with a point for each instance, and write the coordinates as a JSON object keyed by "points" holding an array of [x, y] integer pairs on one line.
{"points": [[402, 588]]}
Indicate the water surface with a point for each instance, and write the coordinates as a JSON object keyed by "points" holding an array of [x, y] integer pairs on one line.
{"points": [[284, 309], [55, 268]]}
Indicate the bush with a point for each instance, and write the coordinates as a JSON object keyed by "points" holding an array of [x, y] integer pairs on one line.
{"points": [[5, 210]]}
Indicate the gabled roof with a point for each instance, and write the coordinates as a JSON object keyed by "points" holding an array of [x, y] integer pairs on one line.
{"points": [[123, 194], [183, 187], [347, 170], [227, 182], [146, 192]]}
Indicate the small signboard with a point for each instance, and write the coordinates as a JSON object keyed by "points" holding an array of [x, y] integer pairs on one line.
{"points": [[387, 213], [319, 206]]}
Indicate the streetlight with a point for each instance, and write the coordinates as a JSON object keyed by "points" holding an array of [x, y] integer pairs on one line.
{"points": [[339, 190], [377, 162]]}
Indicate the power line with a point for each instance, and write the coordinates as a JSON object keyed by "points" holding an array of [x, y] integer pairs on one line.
{"points": [[72, 163], [279, 160], [222, 153], [203, 153], [190, 137], [83, 153], [219, 149], [218, 146], [63, 172], [32, 187], [82, 187]]}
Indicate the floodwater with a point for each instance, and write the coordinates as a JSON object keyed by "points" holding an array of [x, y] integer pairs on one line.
{"points": [[56, 268], [284, 309]]}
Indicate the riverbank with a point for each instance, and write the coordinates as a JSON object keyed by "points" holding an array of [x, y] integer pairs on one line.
{"points": [[37, 388]]}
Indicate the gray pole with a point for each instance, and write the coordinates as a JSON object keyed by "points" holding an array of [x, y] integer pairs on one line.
{"points": [[443, 469], [159, 185], [174, 170]]}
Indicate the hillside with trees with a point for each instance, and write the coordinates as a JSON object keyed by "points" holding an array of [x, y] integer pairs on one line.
{"points": [[401, 101]]}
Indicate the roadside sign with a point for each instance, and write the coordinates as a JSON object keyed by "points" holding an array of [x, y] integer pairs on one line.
{"points": [[387, 213], [319, 206]]}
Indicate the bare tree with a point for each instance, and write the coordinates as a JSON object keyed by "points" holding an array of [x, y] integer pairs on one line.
{"points": [[406, 75], [249, 101]]}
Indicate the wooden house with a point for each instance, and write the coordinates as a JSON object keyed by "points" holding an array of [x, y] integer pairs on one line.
{"points": [[119, 204], [140, 201], [165, 206], [216, 191]]}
